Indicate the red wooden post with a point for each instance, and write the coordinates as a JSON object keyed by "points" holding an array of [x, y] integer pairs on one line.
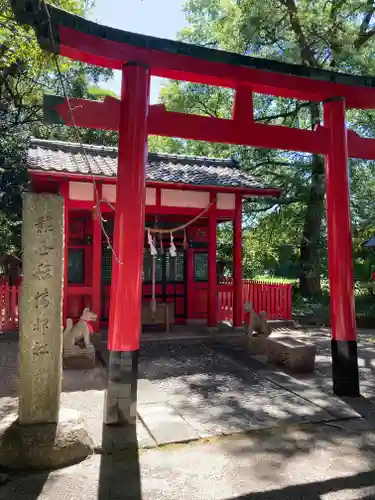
{"points": [[286, 292], [13, 308], [212, 293], [64, 191], [219, 306], [283, 295], [243, 111], [340, 265], [230, 305], [126, 291], [290, 302], [189, 290], [2, 326], [270, 301], [259, 296], [276, 295], [97, 265], [237, 263], [258, 304], [18, 305], [6, 306], [243, 115]]}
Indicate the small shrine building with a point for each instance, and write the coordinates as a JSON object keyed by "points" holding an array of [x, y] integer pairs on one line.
{"points": [[185, 196]]}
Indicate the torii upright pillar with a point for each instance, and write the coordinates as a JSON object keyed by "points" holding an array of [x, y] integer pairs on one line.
{"points": [[126, 291], [344, 343]]}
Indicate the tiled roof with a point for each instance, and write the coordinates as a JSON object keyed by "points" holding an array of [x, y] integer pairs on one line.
{"points": [[58, 156]]}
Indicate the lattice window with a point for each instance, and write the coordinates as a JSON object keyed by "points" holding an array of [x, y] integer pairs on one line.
{"points": [[106, 265], [76, 265], [109, 226], [147, 267], [175, 267], [200, 266]]}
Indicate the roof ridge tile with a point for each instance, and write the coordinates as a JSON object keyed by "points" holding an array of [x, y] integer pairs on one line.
{"points": [[59, 156]]}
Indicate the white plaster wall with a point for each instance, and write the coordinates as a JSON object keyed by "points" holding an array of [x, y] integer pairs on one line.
{"points": [[81, 191], [225, 201], [109, 192], [150, 196], [184, 198]]}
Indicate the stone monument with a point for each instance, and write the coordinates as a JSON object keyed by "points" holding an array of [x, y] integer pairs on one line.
{"points": [[42, 437]]}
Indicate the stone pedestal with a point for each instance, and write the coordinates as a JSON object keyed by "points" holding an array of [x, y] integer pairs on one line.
{"points": [[212, 330], [238, 329], [41, 308], [79, 358], [297, 356], [44, 446], [257, 345]]}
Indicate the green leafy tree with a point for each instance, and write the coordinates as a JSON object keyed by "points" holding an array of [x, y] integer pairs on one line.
{"points": [[335, 35], [26, 73]]}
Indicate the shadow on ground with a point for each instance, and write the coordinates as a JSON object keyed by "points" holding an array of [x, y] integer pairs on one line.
{"points": [[31, 490], [119, 474], [315, 490]]}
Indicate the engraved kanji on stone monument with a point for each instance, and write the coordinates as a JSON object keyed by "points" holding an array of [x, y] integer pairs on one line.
{"points": [[41, 308]]}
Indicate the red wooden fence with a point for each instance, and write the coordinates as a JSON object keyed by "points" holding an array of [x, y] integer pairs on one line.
{"points": [[9, 307], [225, 300], [274, 298]]}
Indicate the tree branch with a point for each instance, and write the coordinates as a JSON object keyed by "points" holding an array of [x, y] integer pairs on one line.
{"points": [[364, 32], [306, 53], [287, 114]]}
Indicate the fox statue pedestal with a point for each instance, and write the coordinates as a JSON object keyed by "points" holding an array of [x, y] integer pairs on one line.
{"points": [[78, 351], [79, 358]]}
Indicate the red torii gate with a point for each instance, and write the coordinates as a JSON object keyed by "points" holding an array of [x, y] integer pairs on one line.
{"points": [[139, 57]]}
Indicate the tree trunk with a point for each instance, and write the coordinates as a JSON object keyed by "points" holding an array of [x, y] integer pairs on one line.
{"points": [[311, 235]]}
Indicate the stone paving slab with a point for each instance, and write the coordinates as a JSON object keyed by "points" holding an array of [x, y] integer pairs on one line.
{"points": [[165, 424], [148, 393], [216, 395], [305, 387], [90, 404]]}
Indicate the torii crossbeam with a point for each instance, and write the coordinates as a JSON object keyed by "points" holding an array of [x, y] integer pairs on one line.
{"points": [[139, 57]]}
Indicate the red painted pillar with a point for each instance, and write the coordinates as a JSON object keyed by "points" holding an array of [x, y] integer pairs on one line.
{"points": [[237, 263], [64, 192], [243, 105], [97, 265], [340, 264], [212, 289], [126, 287]]}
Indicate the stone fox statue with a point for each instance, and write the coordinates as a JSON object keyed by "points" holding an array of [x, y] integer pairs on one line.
{"points": [[81, 330], [258, 326]]}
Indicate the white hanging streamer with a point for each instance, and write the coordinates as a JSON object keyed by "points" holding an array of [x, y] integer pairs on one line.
{"points": [[161, 244], [153, 299], [151, 243], [154, 253], [172, 248]]}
